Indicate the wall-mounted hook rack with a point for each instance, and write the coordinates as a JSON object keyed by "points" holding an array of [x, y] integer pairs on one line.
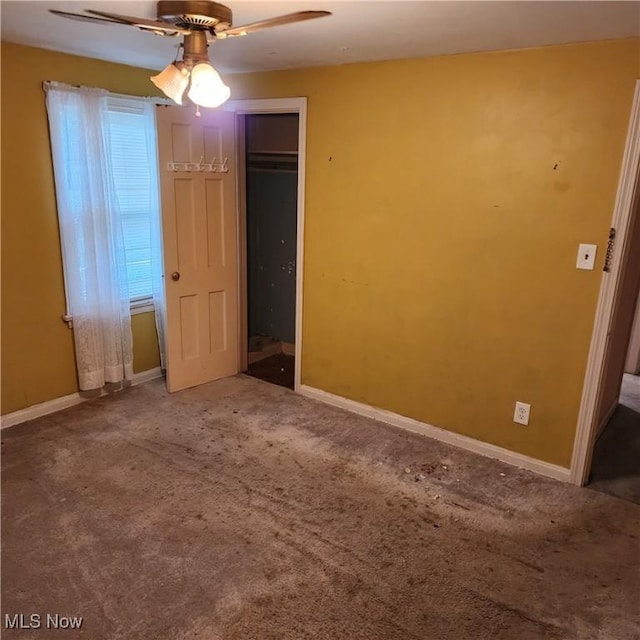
{"points": [[203, 167]]}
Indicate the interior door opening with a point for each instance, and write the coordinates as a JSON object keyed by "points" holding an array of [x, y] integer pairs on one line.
{"points": [[613, 323], [615, 466], [271, 195]]}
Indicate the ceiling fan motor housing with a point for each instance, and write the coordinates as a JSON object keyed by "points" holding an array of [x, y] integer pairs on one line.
{"points": [[195, 14]]}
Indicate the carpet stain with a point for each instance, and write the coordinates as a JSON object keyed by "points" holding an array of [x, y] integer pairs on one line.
{"points": [[240, 510]]}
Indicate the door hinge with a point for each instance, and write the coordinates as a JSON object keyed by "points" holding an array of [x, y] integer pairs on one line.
{"points": [[610, 246]]}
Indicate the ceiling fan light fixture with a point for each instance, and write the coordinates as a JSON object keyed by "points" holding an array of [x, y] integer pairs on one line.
{"points": [[173, 81], [207, 88], [198, 22]]}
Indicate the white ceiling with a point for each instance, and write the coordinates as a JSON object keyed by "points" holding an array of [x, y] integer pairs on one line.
{"points": [[357, 31]]}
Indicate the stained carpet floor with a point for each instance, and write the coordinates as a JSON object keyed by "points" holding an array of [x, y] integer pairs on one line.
{"points": [[239, 510]]}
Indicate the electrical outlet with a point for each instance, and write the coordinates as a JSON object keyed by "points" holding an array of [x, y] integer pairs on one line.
{"points": [[521, 414]]}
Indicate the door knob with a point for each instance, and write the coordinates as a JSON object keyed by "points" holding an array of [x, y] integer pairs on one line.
{"points": [[175, 276]]}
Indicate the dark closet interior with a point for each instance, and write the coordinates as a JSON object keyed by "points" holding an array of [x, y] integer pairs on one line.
{"points": [[271, 201]]}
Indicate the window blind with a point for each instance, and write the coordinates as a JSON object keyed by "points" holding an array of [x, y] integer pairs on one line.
{"points": [[132, 164]]}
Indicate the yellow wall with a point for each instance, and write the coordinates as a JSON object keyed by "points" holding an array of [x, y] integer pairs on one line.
{"points": [[445, 201], [446, 198], [37, 347]]}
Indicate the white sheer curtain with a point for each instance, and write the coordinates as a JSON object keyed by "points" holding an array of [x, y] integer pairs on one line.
{"points": [[91, 235]]}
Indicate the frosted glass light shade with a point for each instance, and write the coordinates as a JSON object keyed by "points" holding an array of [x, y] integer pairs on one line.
{"points": [[172, 81], [207, 88]]}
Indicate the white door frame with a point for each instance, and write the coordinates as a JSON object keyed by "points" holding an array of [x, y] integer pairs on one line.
{"points": [[609, 290], [270, 106]]}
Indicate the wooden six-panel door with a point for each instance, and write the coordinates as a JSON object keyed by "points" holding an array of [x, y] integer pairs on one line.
{"points": [[200, 246]]}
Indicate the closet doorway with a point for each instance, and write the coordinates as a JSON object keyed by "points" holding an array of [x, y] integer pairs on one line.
{"points": [[270, 237]]}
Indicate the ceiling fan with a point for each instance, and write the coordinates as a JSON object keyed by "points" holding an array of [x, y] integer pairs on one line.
{"points": [[199, 22]]}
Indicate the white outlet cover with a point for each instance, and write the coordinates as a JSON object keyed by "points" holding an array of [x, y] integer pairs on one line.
{"points": [[586, 256], [521, 413]]}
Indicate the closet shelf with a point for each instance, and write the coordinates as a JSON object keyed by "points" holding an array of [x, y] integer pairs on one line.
{"points": [[272, 153]]}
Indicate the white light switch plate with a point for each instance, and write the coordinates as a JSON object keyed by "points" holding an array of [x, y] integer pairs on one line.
{"points": [[586, 256]]}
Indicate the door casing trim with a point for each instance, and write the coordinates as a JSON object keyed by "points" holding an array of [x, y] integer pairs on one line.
{"points": [[586, 429], [273, 106]]}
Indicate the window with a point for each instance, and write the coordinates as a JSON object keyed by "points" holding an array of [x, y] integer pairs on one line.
{"points": [[134, 176], [105, 167]]}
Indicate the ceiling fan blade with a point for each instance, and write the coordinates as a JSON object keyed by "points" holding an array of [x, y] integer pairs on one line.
{"points": [[84, 18], [290, 18], [141, 23]]}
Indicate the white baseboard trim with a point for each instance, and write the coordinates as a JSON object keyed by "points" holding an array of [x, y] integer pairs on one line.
{"points": [[464, 442], [268, 351], [64, 402], [146, 376], [42, 409], [289, 348]]}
